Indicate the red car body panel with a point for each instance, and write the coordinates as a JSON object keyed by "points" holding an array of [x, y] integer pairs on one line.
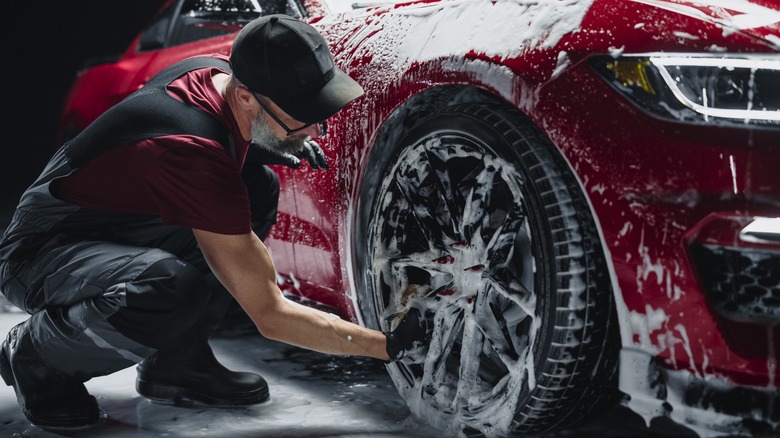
{"points": [[655, 186]]}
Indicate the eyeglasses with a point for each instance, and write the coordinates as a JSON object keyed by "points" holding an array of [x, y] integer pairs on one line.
{"points": [[323, 125]]}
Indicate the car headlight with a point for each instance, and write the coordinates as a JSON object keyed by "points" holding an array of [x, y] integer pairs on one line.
{"points": [[699, 89]]}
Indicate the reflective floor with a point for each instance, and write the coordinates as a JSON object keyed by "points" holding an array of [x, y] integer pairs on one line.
{"points": [[312, 395]]}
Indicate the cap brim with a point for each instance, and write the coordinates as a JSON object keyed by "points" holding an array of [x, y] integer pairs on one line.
{"points": [[320, 105]]}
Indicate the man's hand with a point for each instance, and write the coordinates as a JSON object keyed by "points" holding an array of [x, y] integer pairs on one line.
{"points": [[311, 151], [412, 333]]}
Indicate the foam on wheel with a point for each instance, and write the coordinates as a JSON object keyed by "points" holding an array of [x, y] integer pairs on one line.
{"points": [[476, 218]]}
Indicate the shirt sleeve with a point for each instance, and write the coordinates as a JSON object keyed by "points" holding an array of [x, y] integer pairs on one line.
{"points": [[199, 186]]}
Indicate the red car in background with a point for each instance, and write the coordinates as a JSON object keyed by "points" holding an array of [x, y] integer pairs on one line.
{"points": [[585, 193]]}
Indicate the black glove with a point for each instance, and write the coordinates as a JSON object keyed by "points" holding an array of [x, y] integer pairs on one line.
{"points": [[412, 333], [310, 150]]}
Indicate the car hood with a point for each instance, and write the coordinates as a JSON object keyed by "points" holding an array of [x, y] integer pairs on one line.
{"points": [[758, 19], [496, 42]]}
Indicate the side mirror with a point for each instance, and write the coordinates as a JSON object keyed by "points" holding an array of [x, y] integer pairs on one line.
{"points": [[154, 37]]}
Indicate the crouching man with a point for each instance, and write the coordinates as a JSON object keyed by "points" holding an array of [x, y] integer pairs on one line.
{"points": [[140, 231]]}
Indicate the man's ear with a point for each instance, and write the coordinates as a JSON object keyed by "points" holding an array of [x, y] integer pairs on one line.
{"points": [[244, 97]]}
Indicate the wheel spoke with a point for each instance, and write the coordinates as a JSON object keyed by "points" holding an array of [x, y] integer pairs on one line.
{"points": [[401, 230], [518, 294], [470, 351], [477, 201], [448, 325], [450, 210], [409, 206], [417, 182], [494, 330], [519, 316], [414, 277], [501, 244], [506, 350]]}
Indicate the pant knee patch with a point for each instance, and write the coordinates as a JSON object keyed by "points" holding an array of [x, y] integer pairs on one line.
{"points": [[164, 301]]}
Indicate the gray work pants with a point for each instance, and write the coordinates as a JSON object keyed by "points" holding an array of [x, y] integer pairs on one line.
{"points": [[101, 306]]}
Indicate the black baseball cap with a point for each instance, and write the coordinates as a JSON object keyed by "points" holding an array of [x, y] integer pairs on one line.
{"points": [[288, 61]]}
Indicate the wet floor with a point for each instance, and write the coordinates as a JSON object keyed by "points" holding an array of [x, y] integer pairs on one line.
{"points": [[312, 395]]}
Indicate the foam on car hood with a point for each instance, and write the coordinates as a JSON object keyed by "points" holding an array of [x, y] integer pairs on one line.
{"points": [[759, 19]]}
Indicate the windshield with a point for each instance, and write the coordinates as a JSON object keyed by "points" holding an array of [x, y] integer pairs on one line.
{"points": [[187, 21]]}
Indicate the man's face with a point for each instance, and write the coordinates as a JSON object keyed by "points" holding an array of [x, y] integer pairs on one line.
{"points": [[264, 137]]}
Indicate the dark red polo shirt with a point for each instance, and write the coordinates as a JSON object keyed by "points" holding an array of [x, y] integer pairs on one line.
{"points": [[186, 180]]}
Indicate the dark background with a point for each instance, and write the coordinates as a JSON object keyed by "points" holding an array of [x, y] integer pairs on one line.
{"points": [[45, 44]]}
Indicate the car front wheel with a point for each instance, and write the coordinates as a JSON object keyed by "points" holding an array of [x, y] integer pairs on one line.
{"points": [[476, 220]]}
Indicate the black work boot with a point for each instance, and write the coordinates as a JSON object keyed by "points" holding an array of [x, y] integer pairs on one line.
{"points": [[49, 398], [189, 374]]}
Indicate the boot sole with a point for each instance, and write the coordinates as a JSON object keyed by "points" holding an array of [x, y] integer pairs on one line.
{"points": [[178, 396], [65, 429]]}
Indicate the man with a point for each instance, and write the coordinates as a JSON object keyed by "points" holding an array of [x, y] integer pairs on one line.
{"points": [[125, 248]]}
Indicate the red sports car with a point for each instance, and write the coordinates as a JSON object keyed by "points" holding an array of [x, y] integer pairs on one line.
{"points": [[586, 193]]}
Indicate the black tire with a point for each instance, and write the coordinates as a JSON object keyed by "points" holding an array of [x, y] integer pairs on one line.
{"points": [[476, 217]]}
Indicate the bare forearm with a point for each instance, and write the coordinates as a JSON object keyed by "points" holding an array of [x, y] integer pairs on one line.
{"points": [[244, 267], [316, 330]]}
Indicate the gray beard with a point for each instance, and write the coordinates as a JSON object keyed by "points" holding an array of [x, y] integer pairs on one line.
{"points": [[263, 137]]}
